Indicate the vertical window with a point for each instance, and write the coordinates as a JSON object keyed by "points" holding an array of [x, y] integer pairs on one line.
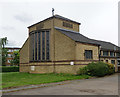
{"points": [[43, 45], [47, 45], [36, 46], [105, 53], [111, 54], [39, 46], [88, 54], [113, 61]]}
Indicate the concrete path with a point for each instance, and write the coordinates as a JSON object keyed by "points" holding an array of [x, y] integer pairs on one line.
{"points": [[99, 86]]}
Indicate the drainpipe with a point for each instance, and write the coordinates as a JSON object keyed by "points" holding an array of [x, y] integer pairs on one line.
{"points": [[99, 50]]}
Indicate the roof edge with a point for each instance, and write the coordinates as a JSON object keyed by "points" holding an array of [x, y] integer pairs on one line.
{"points": [[55, 16]]}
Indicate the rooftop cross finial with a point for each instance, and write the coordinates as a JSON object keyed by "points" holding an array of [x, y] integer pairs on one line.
{"points": [[52, 11]]}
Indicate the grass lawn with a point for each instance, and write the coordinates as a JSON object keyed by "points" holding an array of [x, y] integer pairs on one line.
{"points": [[14, 79]]}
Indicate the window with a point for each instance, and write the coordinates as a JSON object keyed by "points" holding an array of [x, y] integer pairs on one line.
{"points": [[9, 55], [106, 61], [113, 61], [118, 62], [43, 45], [16, 49], [33, 47], [88, 54], [8, 61], [39, 46], [65, 24], [105, 53], [9, 50], [111, 54], [36, 46], [47, 45], [118, 54]]}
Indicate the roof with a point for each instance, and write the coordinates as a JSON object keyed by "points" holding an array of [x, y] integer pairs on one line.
{"points": [[56, 16], [76, 36], [12, 47]]}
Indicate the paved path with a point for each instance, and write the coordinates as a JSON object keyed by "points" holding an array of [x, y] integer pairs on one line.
{"points": [[99, 86]]}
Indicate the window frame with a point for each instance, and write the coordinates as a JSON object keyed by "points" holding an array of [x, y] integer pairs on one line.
{"points": [[105, 54], [86, 54]]}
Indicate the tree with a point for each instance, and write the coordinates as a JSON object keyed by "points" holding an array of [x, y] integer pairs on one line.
{"points": [[4, 50], [15, 60], [4, 42]]}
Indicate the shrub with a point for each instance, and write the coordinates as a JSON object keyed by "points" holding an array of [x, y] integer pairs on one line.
{"points": [[111, 69], [83, 71], [10, 69], [98, 69]]}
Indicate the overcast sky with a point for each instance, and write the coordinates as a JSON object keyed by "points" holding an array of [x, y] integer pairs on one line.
{"points": [[98, 18]]}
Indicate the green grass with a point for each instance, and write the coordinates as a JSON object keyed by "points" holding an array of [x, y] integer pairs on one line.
{"points": [[14, 79]]}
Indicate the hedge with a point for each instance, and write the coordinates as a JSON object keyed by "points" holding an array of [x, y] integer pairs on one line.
{"points": [[97, 69], [10, 68]]}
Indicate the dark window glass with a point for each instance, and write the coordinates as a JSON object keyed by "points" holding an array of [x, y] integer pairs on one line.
{"points": [[105, 53], [107, 61], [118, 54], [43, 45], [36, 46], [88, 54], [113, 61], [47, 45], [111, 54], [118, 62], [65, 24], [39, 46]]}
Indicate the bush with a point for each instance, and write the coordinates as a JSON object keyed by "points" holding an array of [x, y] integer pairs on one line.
{"points": [[83, 71], [97, 69], [10, 69], [111, 68]]}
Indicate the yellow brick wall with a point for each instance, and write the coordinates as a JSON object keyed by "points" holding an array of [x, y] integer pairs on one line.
{"points": [[59, 23], [24, 52], [80, 50], [109, 61], [64, 47], [24, 68], [71, 69], [42, 69], [24, 57]]}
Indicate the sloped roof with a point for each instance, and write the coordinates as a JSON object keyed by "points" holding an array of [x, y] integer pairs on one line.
{"points": [[76, 36], [61, 17], [56, 16]]}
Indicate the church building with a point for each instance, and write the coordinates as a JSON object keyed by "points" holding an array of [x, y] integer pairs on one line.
{"points": [[55, 45]]}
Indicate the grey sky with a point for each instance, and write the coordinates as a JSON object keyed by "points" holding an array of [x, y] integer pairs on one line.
{"points": [[98, 18]]}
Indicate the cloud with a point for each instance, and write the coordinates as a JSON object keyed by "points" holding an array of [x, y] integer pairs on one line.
{"points": [[7, 28], [25, 18]]}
